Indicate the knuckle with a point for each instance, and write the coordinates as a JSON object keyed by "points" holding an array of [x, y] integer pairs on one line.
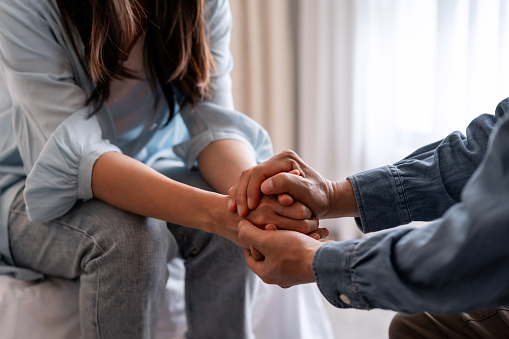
{"points": [[246, 173], [303, 212], [288, 153], [308, 226], [264, 203], [263, 220], [314, 224]]}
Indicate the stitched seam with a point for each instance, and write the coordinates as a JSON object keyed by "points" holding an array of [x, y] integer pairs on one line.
{"points": [[477, 320], [362, 214], [355, 292], [402, 193]]}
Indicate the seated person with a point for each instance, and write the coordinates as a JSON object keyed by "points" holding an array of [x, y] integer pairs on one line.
{"points": [[93, 98]]}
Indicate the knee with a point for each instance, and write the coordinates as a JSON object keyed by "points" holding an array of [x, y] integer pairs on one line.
{"points": [[140, 239], [132, 239]]}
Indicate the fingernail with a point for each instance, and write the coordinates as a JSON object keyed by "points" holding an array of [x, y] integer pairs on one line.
{"points": [[249, 203], [326, 233], [230, 204], [315, 236]]}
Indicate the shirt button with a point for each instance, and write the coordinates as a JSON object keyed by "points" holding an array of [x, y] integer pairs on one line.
{"points": [[345, 299]]}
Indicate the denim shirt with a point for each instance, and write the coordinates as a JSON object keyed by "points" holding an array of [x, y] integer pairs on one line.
{"points": [[460, 260], [48, 141]]}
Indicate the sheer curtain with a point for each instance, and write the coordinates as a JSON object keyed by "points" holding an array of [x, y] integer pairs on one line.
{"points": [[379, 78]]}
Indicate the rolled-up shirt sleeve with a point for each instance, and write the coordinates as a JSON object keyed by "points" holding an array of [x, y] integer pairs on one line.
{"points": [[208, 122], [62, 174], [57, 141], [215, 119], [454, 264], [422, 186]]}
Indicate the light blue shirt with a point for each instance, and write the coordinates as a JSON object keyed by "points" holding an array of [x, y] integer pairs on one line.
{"points": [[48, 142], [460, 261]]}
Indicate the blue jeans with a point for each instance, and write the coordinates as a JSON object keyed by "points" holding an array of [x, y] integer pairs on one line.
{"points": [[121, 260]]}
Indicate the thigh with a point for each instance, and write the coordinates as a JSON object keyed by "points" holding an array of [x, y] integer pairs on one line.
{"points": [[63, 246], [490, 323]]}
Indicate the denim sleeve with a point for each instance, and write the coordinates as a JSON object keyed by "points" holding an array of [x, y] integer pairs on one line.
{"points": [[215, 119], [422, 186], [456, 263], [57, 143]]}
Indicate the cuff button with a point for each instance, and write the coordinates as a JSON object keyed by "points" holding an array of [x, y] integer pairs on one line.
{"points": [[345, 299]]}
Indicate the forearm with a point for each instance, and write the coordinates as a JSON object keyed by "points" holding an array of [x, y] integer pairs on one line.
{"points": [[342, 202], [130, 185], [222, 162]]}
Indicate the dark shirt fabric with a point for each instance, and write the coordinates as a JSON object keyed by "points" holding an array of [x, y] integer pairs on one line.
{"points": [[459, 261]]}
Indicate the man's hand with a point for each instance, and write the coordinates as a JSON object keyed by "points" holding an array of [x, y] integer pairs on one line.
{"points": [[277, 176], [287, 255]]}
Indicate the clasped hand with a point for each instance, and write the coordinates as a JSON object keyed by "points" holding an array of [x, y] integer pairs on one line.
{"points": [[282, 253]]}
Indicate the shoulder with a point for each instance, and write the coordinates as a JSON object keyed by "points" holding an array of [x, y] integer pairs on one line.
{"points": [[33, 21], [218, 11], [27, 11], [219, 18], [14, 6]]}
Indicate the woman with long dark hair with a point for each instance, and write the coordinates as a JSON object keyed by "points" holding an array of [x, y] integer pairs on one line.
{"points": [[105, 106]]}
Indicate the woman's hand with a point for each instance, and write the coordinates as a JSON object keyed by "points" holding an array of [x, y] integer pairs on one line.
{"points": [[295, 217], [269, 211]]}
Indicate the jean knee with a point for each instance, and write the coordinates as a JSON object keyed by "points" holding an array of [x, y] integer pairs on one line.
{"points": [[135, 240]]}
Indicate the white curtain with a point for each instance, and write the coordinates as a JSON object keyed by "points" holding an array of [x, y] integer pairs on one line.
{"points": [[380, 78]]}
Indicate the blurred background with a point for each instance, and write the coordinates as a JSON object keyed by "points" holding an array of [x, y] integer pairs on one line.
{"points": [[356, 84]]}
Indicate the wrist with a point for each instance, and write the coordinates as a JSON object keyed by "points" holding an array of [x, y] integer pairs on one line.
{"points": [[220, 220], [343, 202], [310, 275], [308, 262]]}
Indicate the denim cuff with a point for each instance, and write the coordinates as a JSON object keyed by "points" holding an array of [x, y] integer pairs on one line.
{"points": [[333, 273], [380, 198]]}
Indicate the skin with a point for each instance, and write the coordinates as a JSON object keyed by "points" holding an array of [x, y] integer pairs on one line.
{"points": [[285, 257], [288, 255], [131, 185], [276, 176]]}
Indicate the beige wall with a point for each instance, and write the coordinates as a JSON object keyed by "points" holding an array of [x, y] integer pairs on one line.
{"points": [[263, 75]]}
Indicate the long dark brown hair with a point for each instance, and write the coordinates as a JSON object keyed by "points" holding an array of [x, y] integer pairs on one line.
{"points": [[176, 50]]}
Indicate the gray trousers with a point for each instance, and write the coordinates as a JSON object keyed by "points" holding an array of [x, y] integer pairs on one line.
{"points": [[121, 260], [492, 323]]}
